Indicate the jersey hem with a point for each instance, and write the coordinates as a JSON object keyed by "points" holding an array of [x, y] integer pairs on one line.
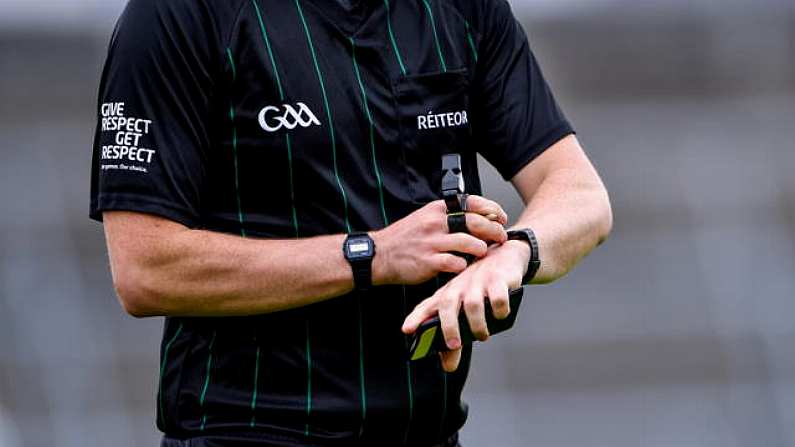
{"points": [[240, 438]]}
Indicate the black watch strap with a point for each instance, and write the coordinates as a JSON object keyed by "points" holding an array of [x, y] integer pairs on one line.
{"points": [[362, 267], [362, 274], [527, 235]]}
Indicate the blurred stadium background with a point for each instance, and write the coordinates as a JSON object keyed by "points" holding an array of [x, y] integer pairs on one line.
{"points": [[680, 331]]}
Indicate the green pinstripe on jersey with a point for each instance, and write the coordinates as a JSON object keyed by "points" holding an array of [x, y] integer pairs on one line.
{"points": [[444, 403], [163, 370], [471, 41], [328, 114], [278, 80], [308, 380], [292, 182], [392, 38], [264, 32], [234, 148], [362, 390], [366, 108], [207, 380], [254, 393], [409, 375], [442, 63], [444, 379], [294, 213]]}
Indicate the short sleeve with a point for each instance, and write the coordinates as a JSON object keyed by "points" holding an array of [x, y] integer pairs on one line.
{"points": [[153, 114], [517, 115]]}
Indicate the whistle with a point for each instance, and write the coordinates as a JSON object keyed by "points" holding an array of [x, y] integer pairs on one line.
{"points": [[453, 184]]}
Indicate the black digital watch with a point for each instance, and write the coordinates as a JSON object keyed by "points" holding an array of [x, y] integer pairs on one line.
{"points": [[527, 235], [359, 250]]}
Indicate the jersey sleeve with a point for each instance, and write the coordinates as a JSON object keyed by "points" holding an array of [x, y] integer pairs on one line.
{"points": [[153, 115], [518, 117]]}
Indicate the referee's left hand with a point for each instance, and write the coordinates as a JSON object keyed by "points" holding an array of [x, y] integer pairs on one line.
{"points": [[492, 276]]}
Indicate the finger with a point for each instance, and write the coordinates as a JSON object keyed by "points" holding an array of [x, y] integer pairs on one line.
{"points": [[485, 229], [449, 263], [449, 305], [474, 308], [438, 205], [450, 360], [462, 243], [484, 206], [498, 297], [423, 311]]}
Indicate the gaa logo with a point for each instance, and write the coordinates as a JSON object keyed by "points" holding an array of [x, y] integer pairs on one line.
{"points": [[272, 118]]}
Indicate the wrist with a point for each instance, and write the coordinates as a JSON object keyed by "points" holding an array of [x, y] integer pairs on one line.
{"points": [[521, 250], [381, 273], [359, 250], [527, 237]]}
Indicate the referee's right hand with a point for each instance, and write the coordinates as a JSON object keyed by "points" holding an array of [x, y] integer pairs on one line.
{"points": [[418, 247]]}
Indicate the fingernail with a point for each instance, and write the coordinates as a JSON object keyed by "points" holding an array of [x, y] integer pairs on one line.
{"points": [[454, 343]]}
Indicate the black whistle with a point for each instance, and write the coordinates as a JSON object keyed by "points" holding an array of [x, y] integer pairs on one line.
{"points": [[453, 183], [455, 197]]}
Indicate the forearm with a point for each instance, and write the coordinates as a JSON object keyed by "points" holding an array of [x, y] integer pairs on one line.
{"points": [[161, 267], [201, 273], [566, 206], [570, 215]]}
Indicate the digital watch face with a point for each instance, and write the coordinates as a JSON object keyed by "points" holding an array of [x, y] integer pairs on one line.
{"points": [[358, 248]]}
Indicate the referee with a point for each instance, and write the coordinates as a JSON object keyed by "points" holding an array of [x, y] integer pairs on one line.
{"points": [[268, 173]]}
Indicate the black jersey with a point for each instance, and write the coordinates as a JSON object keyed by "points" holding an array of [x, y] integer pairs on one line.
{"points": [[294, 118]]}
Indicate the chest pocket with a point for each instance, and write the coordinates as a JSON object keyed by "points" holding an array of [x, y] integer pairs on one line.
{"points": [[433, 112]]}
